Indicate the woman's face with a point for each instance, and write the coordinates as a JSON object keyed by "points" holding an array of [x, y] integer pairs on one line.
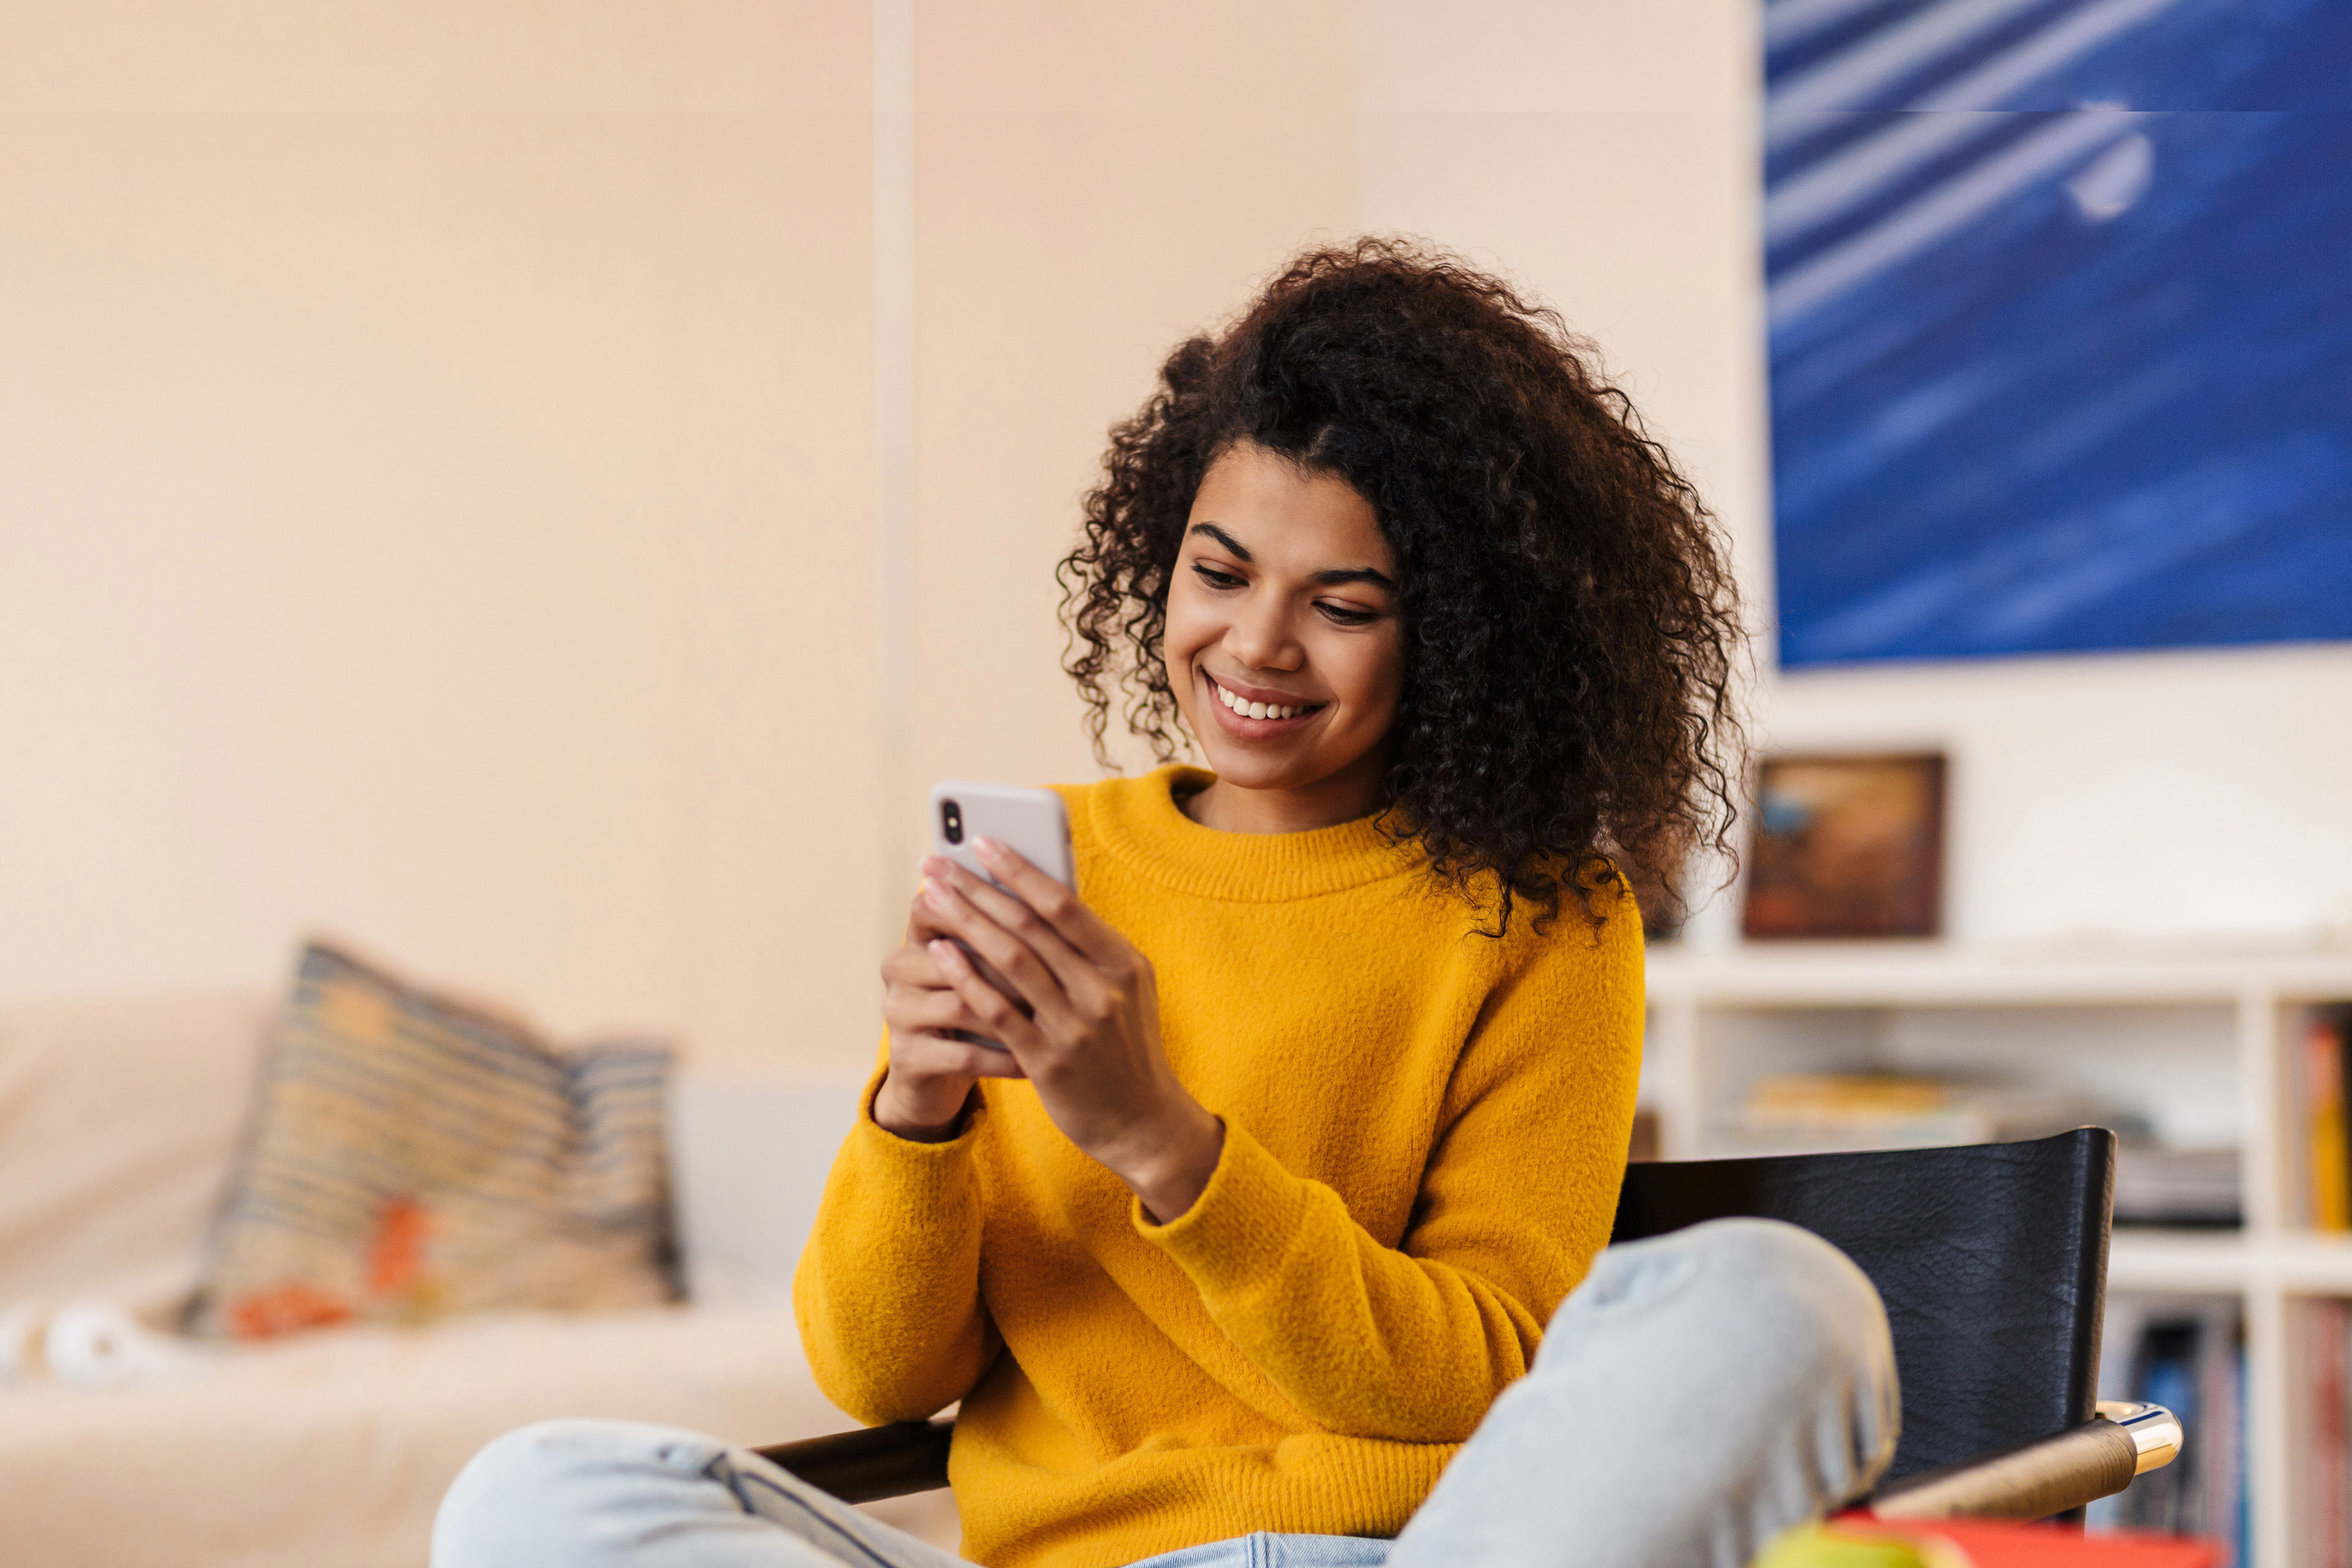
{"points": [[1283, 644]]}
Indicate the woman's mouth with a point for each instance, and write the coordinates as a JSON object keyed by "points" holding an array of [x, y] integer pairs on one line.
{"points": [[1255, 719]]}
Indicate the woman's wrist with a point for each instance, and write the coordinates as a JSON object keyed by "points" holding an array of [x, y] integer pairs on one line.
{"points": [[1170, 1179], [904, 1111]]}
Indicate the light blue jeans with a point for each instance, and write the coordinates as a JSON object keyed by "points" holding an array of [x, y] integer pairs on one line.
{"points": [[1699, 1394]]}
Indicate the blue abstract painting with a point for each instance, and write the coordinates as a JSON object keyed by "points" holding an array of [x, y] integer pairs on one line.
{"points": [[2060, 295]]}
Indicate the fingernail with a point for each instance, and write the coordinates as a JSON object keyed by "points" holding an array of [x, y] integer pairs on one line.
{"points": [[989, 850], [936, 896], [944, 951], [935, 866]]}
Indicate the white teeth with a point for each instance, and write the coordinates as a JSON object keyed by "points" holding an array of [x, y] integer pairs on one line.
{"points": [[1257, 709]]}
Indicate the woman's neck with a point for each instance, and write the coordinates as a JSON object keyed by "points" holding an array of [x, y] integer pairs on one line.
{"points": [[1229, 807]]}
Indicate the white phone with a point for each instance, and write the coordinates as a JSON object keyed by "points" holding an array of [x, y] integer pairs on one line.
{"points": [[1033, 822]]}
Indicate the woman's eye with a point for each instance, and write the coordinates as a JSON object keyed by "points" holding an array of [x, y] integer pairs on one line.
{"points": [[1214, 578], [1348, 614]]}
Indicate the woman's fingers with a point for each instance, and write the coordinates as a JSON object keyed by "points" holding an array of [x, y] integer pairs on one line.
{"points": [[913, 965], [916, 1010], [986, 942], [1110, 967], [1015, 917], [1055, 905], [995, 1015], [924, 1029], [922, 921], [939, 1056]]}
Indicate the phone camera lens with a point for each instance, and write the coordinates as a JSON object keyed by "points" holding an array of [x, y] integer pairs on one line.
{"points": [[951, 821]]}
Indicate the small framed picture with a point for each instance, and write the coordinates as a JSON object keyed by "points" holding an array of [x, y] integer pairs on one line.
{"points": [[1847, 847]]}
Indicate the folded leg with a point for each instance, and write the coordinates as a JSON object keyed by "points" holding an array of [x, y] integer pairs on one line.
{"points": [[1699, 1394]]}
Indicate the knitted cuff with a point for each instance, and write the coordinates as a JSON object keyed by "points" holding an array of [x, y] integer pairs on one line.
{"points": [[910, 1160], [1236, 1234]]}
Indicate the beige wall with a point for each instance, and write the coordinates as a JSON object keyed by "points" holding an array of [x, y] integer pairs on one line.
{"points": [[441, 484], [502, 56], [439, 493], [446, 518]]}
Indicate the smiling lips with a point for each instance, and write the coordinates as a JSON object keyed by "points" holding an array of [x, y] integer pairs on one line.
{"points": [[1243, 707]]}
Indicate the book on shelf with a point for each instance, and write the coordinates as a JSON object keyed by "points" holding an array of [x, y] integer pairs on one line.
{"points": [[1813, 1114], [2326, 1491], [1825, 1112], [2189, 1355], [2167, 1186], [2328, 1136]]}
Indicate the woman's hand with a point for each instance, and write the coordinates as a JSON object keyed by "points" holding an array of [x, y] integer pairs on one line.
{"points": [[931, 1072], [1086, 1028]]}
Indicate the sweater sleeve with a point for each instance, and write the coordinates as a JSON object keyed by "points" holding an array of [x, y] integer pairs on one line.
{"points": [[887, 1290], [1413, 1342]]}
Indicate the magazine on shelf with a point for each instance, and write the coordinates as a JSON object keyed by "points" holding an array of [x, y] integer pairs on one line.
{"points": [[2188, 1354], [2326, 1329]]}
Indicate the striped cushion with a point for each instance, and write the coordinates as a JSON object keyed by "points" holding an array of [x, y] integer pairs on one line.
{"points": [[412, 1157]]}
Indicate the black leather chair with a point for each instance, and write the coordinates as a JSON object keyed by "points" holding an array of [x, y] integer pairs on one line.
{"points": [[1992, 1260]]}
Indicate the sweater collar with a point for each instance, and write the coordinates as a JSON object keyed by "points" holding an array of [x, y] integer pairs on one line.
{"points": [[1138, 821]]}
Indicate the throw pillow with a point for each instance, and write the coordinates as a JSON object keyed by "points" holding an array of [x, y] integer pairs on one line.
{"points": [[412, 1156]]}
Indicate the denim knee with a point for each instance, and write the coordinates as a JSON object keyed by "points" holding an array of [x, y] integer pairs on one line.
{"points": [[1819, 1308], [523, 1494], [546, 1458], [1806, 1308]]}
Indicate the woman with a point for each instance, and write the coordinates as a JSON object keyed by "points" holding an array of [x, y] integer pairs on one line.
{"points": [[1311, 1105]]}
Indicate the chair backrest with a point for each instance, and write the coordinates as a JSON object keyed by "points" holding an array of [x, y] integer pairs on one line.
{"points": [[1992, 1260]]}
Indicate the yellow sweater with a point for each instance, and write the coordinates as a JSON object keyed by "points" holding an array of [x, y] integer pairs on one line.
{"points": [[1424, 1134]]}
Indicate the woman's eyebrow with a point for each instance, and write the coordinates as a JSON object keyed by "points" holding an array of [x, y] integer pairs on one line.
{"points": [[1335, 577], [1227, 539]]}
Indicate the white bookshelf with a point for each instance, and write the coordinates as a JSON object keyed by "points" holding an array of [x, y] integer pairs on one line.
{"points": [[2201, 1046]]}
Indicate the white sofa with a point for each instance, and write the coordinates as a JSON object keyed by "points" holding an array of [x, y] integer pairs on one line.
{"points": [[118, 1122]]}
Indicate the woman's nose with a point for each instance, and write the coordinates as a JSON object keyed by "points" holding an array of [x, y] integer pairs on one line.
{"points": [[1259, 638]]}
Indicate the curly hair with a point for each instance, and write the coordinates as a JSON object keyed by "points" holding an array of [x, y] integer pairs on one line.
{"points": [[1570, 625]]}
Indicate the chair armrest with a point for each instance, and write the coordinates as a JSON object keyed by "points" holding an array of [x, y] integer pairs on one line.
{"points": [[863, 1467], [2033, 1480], [2037, 1480]]}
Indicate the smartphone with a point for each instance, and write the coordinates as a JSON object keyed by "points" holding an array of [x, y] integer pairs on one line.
{"points": [[1033, 822]]}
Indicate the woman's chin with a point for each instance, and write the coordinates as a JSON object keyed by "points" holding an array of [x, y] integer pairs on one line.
{"points": [[1246, 766], [1237, 774]]}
